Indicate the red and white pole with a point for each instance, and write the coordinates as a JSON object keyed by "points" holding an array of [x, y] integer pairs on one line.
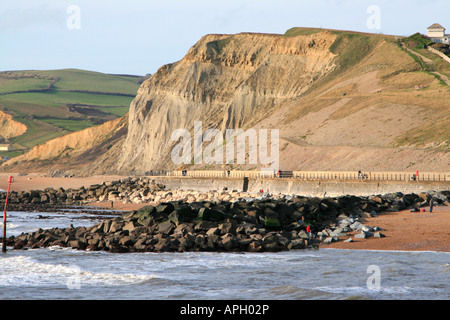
{"points": [[10, 180]]}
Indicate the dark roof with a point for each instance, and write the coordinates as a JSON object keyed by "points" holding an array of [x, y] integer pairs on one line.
{"points": [[435, 26]]}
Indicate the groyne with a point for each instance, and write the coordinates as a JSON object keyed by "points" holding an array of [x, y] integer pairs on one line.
{"points": [[254, 225]]}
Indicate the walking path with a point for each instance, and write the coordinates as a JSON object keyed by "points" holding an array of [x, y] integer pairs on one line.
{"points": [[428, 62]]}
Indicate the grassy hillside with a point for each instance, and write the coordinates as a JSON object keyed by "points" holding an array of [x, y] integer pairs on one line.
{"points": [[53, 103]]}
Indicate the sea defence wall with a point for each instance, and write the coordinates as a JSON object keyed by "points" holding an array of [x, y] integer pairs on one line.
{"points": [[310, 188]]}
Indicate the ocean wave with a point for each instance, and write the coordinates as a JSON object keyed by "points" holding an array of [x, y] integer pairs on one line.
{"points": [[383, 292], [26, 272], [10, 225], [291, 292]]}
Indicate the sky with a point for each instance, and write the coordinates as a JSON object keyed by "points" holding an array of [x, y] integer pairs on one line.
{"points": [[139, 36]]}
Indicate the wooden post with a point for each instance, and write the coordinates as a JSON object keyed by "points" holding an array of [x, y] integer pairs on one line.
{"points": [[10, 180]]}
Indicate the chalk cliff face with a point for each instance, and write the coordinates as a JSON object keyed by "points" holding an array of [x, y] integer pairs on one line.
{"points": [[226, 82]]}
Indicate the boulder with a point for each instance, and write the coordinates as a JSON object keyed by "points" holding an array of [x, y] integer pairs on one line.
{"points": [[165, 207], [182, 214], [213, 231], [130, 226], [356, 226], [166, 227], [296, 244], [126, 241], [361, 235], [328, 240], [116, 226], [205, 225], [228, 227]]}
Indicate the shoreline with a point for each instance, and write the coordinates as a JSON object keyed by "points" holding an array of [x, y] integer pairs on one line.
{"points": [[387, 250], [403, 230]]}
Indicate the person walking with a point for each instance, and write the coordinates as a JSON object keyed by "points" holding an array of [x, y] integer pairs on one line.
{"points": [[430, 202], [300, 222], [308, 231]]}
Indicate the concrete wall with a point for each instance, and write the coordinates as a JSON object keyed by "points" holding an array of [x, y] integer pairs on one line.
{"points": [[316, 188], [316, 175]]}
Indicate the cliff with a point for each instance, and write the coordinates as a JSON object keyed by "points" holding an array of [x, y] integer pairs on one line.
{"points": [[226, 82], [10, 128], [71, 153], [341, 101]]}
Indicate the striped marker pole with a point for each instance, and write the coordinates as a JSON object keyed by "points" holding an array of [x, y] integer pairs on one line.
{"points": [[10, 180]]}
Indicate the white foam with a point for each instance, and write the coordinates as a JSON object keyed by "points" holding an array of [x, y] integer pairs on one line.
{"points": [[9, 225], [384, 251], [355, 290], [24, 271]]}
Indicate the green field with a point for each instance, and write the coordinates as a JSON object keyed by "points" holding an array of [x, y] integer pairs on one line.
{"points": [[52, 103], [12, 85]]}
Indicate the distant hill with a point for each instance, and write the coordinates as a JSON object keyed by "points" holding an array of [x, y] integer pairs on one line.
{"points": [[38, 105], [341, 100]]}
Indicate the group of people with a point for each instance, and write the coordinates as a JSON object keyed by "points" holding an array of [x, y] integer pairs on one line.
{"points": [[308, 228], [362, 175], [431, 203]]}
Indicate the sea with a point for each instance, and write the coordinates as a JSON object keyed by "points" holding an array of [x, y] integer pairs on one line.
{"points": [[57, 273]]}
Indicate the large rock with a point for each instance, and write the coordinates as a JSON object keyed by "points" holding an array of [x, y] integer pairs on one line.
{"points": [[166, 227], [182, 214]]}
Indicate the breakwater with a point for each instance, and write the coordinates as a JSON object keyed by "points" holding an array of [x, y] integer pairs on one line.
{"points": [[231, 221]]}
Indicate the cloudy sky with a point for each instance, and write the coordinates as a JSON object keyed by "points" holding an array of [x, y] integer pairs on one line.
{"points": [[139, 36]]}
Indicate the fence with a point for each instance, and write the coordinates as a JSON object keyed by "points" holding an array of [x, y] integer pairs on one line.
{"points": [[310, 175]]}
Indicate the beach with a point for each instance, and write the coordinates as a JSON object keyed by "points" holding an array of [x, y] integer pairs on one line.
{"points": [[404, 230], [412, 260]]}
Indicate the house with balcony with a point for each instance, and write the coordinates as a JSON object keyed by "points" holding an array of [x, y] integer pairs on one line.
{"points": [[436, 33]]}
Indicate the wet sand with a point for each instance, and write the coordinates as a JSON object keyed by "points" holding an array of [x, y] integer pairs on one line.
{"points": [[40, 182], [405, 230]]}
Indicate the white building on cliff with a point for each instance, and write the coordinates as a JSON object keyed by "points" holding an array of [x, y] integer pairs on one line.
{"points": [[436, 33]]}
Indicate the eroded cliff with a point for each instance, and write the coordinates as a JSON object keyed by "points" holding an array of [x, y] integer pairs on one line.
{"points": [[74, 152], [340, 100], [224, 81], [10, 128]]}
